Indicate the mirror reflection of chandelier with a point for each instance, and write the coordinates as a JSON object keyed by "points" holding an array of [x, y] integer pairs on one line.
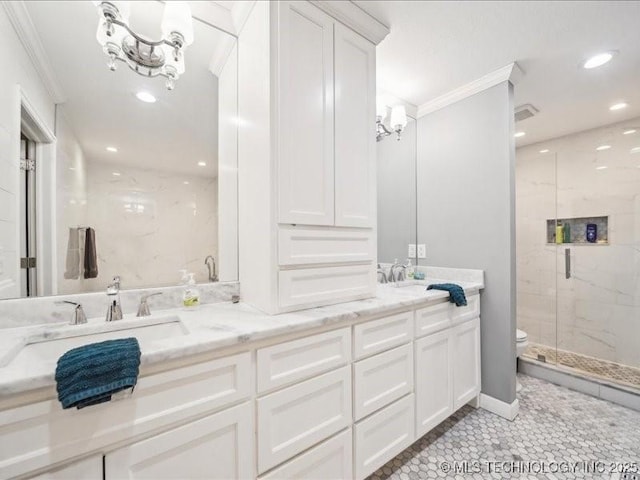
{"points": [[397, 121], [148, 58]]}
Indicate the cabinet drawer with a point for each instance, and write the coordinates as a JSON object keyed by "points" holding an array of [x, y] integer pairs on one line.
{"points": [[298, 417], [311, 287], [381, 379], [309, 246], [216, 447], [332, 459], [469, 311], [159, 400], [286, 363], [382, 436], [432, 319], [379, 335]]}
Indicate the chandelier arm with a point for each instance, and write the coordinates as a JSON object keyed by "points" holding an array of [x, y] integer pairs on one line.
{"points": [[386, 130], [138, 38]]}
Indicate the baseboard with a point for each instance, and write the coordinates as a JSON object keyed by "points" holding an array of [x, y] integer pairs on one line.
{"points": [[500, 408]]}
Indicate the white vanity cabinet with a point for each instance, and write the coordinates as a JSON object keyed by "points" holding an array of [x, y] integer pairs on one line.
{"points": [[218, 446], [308, 82], [85, 469], [447, 361]]}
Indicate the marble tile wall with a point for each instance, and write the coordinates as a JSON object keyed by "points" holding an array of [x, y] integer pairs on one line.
{"points": [[148, 223], [597, 311]]}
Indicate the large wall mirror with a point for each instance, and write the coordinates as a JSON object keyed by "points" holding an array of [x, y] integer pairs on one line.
{"points": [[396, 173], [112, 173]]}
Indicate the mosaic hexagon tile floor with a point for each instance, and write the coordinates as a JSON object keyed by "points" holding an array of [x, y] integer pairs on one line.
{"points": [[558, 434]]}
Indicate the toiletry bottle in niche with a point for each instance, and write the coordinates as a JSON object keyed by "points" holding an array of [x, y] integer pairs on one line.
{"points": [[191, 295], [559, 232], [592, 232], [566, 233]]}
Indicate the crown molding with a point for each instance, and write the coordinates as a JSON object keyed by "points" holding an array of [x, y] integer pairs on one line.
{"points": [[512, 73], [28, 35], [221, 55], [354, 17]]}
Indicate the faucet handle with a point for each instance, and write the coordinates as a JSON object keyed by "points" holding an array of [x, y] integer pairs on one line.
{"points": [[79, 316], [143, 308]]}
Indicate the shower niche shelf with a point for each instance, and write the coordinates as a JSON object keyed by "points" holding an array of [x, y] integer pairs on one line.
{"points": [[578, 230]]}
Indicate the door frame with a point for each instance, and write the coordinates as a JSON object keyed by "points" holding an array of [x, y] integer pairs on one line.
{"points": [[31, 122]]}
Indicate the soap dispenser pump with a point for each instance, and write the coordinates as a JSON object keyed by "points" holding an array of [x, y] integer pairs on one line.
{"points": [[191, 295]]}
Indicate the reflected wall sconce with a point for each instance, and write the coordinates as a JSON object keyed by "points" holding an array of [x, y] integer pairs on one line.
{"points": [[397, 121], [146, 57]]}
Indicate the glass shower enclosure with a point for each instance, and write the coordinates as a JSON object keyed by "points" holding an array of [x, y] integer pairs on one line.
{"points": [[578, 252]]}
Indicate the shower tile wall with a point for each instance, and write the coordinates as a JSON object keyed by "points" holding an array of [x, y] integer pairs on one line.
{"points": [[148, 223], [598, 309]]}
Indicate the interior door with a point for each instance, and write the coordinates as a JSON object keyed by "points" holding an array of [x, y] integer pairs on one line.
{"points": [[28, 276]]}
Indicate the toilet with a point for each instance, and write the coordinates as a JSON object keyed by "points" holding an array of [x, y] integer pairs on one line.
{"points": [[521, 347]]}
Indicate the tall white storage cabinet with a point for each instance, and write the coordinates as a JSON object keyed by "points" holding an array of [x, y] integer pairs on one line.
{"points": [[307, 154]]}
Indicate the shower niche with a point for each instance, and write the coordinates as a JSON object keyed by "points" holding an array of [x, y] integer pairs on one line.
{"points": [[579, 230]]}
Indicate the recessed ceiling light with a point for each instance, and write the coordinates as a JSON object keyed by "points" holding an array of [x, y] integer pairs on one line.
{"points": [[186, 182], [202, 164], [598, 60], [546, 150], [112, 149], [72, 168], [602, 167], [635, 150], [618, 106], [145, 97], [116, 174], [603, 147], [519, 134], [629, 132]]}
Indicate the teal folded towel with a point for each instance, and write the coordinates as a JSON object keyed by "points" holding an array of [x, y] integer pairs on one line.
{"points": [[91, 374], [456, 292]]}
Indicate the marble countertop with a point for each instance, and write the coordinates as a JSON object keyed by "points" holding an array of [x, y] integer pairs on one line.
{"points": [[203, 329]]}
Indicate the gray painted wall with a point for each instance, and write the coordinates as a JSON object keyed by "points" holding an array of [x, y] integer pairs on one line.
{"points": [[397, 195], [466, 158]]}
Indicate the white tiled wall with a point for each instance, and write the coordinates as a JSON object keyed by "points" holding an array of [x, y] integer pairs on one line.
{"points": [[598, 309], [148, 223]]}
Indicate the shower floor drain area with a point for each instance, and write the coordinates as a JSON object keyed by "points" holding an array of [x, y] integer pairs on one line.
{"points": [[615, 372]]}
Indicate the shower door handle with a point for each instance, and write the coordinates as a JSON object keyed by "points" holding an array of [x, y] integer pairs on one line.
{"points": [[567, 263]]}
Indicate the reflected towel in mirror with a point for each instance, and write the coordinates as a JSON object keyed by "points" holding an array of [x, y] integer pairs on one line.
{"points": [[90, 255], [72, 264]]}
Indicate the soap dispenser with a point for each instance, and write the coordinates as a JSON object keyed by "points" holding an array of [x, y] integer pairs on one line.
{"points": [[191, 295], [410, 270]]}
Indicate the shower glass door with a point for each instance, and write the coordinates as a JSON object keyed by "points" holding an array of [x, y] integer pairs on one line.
{"points": [[598, 261]]}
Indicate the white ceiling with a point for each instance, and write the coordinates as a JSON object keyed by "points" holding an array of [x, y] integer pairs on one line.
{"points": [[435, 47], [174, 133]]}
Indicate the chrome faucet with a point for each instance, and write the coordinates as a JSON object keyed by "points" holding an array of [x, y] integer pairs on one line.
{"points": [[114, 311], [382, 276], [399, 276], [143, 308], [210, 262], [78, 313]]}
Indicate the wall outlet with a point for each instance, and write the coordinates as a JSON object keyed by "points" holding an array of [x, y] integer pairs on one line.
{"points": [[411, 252], [422, 251]]}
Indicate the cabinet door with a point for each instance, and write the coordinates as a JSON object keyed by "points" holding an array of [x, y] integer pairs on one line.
{"points": [[331, 460], [87, 469], [433, 382], [305, 165], [355, 118], [466, 363], [219, 446]]}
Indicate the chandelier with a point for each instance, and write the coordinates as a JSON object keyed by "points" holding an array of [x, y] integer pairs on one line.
{"points": [[148, 58], [397, 121]]}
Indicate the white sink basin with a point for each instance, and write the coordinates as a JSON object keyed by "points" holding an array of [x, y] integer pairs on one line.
{"points": [[50, 344]]}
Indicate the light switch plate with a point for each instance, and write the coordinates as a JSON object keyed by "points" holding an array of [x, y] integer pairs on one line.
{"points": [[411, 252], [422, 251]]}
